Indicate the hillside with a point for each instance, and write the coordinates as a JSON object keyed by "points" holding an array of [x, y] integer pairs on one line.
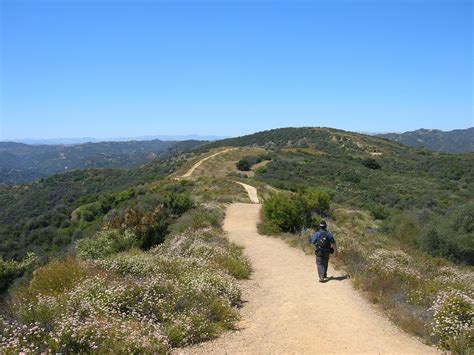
{"points": [[21, 163], [324, 139], [37, 216], [412, 188], [456, 141]]}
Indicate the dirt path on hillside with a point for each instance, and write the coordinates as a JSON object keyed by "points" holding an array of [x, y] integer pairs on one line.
{"points": [[195, 166], [287, 311], [251, 191]]}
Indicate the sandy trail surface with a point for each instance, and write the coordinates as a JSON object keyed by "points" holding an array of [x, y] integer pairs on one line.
{"points": [[251, 191], [195, 166], [287, 311]]}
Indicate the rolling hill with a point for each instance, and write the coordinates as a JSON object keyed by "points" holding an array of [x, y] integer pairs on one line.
{"points": [[456, 141], [422, 190], [21, 163]]}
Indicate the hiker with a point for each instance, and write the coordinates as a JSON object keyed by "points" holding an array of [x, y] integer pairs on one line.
{"points": [[325, 244]]}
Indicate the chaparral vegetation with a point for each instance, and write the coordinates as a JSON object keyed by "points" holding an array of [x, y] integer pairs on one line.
{"points": [[157, 274]]}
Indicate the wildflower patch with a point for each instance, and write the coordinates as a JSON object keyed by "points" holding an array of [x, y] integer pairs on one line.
{"points": [[123, 299]]}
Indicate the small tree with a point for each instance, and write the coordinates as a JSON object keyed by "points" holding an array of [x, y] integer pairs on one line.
{"points": [[243, 165], [371, 164]]}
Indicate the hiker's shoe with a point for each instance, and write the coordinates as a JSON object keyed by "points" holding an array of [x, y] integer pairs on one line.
{"points": [[321, 280]]}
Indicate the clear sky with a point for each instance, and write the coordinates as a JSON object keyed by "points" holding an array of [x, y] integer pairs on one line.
{"points": [[108, 68]]}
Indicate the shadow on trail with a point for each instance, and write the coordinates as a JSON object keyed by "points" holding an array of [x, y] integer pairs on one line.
{"points": [[338, 278]]}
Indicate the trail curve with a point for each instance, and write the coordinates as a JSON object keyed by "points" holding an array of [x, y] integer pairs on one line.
{"points": [[196, 165], [251, 191]]}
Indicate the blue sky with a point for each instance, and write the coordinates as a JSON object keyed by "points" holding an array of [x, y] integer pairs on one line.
{"points": [[133, 68]]}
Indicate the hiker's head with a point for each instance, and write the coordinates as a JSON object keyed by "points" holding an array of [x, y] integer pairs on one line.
{"points": [[323, 224]]}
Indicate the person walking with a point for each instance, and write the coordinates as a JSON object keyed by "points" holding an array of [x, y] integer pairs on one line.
{"points": [[325, 244]]}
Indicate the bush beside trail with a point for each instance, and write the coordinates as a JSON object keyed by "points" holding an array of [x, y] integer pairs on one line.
{"points": [[11, 270], [293, 212]]}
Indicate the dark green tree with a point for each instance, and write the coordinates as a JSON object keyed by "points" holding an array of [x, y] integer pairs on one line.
{"points": [[243, 165]]}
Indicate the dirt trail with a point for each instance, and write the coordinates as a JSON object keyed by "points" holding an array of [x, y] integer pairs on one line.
{"points": [[251, 191], [195, 166], [287, 311]]}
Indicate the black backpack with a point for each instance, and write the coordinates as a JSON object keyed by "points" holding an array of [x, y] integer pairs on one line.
{"points": [[324, 243]]}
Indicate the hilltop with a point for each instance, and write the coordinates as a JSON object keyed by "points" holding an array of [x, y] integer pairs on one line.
{"points": [[455, 141]]}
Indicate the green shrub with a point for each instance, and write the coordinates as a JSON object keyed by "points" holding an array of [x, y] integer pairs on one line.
{"points": [[89, 212], [292, 213], [317, 200], [261, 170], [178, 203], [268, 227], [106, 242], [450, 236], [11, 270], [282, 211], [378, 211]]}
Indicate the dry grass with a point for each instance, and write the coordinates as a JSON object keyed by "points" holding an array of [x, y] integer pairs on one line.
{"points": [[222, 165], [218, 190]]}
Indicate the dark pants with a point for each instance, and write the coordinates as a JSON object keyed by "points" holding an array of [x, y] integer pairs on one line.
{"points": [[322, 260]]}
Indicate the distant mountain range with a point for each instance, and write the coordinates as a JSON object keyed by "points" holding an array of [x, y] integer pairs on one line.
{"points": [[456, 141], [21, 163], [70, 141]]}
